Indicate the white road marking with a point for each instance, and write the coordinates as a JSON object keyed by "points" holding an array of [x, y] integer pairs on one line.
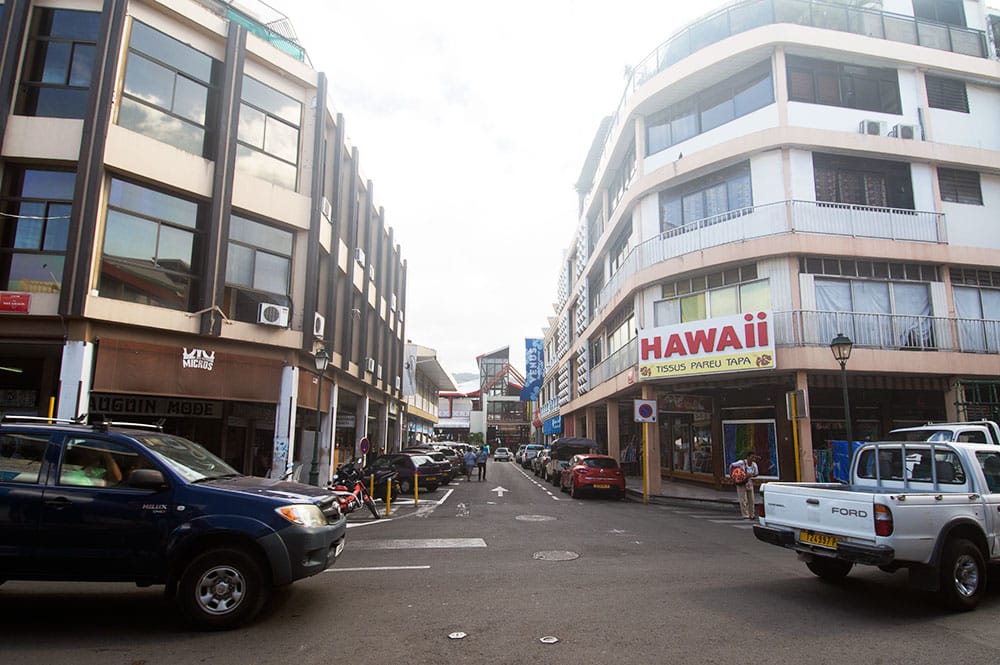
{"points": [[417, 543], [356, 570], [499, 490]]}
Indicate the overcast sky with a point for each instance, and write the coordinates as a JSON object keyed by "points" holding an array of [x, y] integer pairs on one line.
{"points": [[472, 121]]}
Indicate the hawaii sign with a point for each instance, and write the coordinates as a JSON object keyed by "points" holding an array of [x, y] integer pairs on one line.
{"points": [[726, 344]]}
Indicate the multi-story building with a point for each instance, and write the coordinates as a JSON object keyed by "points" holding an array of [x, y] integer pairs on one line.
{"points": [[423, 380], [491, 406], [186, 230], [779, 173]]}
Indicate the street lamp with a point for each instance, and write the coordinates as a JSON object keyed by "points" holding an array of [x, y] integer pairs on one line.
{"points": [[841, 347], [322, 359]]}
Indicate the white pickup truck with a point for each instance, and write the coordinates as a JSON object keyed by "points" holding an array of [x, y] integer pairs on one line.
{"points": [[932, 508], [971, 431]]}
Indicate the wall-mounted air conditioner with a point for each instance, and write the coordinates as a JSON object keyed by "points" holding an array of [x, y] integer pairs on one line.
{"points": [[319, 325], [392, 302], [397, 383], [371, 271], [378, 372], [359, 255], [369, 364], [327, 208], [904, 132], [872, 127], [272, 315]]}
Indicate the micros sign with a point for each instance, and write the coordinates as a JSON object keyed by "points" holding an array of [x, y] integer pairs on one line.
{"points": [[726, 344]]}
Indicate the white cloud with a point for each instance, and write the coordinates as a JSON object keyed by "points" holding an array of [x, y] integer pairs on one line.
{"points": [[473, 121]]}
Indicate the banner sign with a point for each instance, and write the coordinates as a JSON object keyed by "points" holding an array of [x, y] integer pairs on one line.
{"points": [[409, 370], [714, 346], [552, 425], [534, 363]]}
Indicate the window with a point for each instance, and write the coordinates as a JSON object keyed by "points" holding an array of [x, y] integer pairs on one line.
{"points": [[864, 182], [268, 138], [920, 465], [621, 178], [947, 94], [619, 250], [33, 229], [21, 457], [838, 84], [170, 90], [260, 256], [715, 198], [942, 11], [55, 81], [96, 463], [710, 303], [733, 98], [978, 311], [621, 333], [152, 247], [876, 313], [960, 186]]}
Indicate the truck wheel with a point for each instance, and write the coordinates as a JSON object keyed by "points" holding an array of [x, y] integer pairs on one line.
{"points": [[829, 569], [963, 575], [222, 589]]}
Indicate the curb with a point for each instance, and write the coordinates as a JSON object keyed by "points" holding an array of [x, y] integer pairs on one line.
{"points": [[636, 495]]}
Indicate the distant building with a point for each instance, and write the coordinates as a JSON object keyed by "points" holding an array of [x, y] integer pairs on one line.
{"points": [[505, 416], [779, 173], [423, 380]]}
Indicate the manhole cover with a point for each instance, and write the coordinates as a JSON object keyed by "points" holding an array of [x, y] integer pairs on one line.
{"points": [[456, 636], [534, 518], [555, 555], [548, 639]]}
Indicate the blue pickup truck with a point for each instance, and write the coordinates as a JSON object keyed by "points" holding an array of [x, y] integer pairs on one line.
{"points": [[110, 503]]}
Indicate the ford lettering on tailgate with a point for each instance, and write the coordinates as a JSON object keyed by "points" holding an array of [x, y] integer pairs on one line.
{"points": [[849, 512]]}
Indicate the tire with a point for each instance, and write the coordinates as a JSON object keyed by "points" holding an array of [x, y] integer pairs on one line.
{"points": [[963, 575], [406, 486], [222, 589], [829, 569], [573, 491], [370, 502], [562, 488]]}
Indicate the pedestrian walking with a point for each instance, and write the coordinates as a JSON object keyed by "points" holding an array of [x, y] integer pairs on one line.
{"points": [[481, 463], [743, 472], [470, 461]]}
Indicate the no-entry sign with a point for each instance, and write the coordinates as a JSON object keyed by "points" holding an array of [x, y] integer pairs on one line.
{"points": [[645, 410]]}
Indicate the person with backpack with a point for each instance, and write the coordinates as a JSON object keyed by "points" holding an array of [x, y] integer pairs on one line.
{"points": [[743, 472]]}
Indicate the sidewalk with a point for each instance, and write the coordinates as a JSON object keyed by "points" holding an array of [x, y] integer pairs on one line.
{"points": [[677, 490]]}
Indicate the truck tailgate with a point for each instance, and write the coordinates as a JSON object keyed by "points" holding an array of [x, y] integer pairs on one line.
{"points": [[822, 508]]}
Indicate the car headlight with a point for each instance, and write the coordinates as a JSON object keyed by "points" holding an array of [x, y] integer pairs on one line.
{"points": [[303, 514]]}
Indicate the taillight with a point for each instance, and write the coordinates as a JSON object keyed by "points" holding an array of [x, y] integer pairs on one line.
{"points": [[581, 470], [760, 510], [883, 520]]}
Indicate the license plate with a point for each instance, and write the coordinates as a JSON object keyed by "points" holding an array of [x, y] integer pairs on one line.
{"points": [[602, 487], [821, 539]]}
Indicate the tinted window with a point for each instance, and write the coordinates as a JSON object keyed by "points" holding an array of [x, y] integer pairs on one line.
{"points": [[600, 463], [21, 457]]}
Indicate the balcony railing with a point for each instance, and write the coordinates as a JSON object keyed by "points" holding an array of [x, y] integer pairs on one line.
{"points": [[752, 14], [886, 332], [774, 219]]}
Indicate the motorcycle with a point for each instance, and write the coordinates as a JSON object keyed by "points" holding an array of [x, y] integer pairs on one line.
{"points": [[348, 485]]}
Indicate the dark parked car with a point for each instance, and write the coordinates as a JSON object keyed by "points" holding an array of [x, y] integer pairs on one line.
{"points": [[409, 466], [561, 451], [103, 503], [445, 468], [593, 473]]}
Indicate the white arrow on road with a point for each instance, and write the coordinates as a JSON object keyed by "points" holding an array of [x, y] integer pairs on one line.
{"points": [[499, 490]]}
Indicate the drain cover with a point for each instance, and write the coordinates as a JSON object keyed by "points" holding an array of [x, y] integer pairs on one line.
{"points": [[555, 555], [534, 518]]}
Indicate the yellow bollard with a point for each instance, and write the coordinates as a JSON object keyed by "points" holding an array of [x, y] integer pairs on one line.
{"points": [[416, 489], [371, 484], [388, 496]]}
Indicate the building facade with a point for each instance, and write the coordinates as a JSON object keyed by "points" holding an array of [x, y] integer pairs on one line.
{"points": [[423, 380], [778, 173], [185, 228]]}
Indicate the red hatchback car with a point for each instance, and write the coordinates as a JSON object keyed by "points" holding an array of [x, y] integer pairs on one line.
{"points": [[597, 473]]}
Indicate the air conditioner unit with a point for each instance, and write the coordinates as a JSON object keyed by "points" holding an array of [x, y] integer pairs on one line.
{"points": [[327, 208], [378, 372], [319, 325], [392, 302], [397, 383], [369, 364], [272, 315], [871, 127], [904, 132], [371, 271], [359, 255]]}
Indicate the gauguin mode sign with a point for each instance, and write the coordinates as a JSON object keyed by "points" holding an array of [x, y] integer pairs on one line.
{"points": [[725, 344]]}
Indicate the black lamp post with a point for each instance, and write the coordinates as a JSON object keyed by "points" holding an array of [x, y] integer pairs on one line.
{"points": [[841, 347], [322, 359]]}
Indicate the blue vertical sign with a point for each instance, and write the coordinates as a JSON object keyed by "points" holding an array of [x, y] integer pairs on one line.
{"points": [[534, 365]]}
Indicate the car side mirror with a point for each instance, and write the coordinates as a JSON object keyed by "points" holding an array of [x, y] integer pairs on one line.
{"points": [[147, 479]]}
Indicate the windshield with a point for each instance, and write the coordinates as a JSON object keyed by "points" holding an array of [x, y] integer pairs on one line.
{"points": [[186, 458], [920, 435]]}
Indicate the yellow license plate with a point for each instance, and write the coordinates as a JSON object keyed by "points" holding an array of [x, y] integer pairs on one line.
{"points": [[821, 539], [602, 487]]}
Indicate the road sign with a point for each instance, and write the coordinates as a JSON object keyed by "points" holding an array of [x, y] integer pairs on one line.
{"points": [[365, 445], [645, 410]]}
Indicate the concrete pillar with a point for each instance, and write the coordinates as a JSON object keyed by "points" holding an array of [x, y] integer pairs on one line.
{"points": [[590, 413], [807, 466], [360, 423], [326, 460], [75, 375], [284, 422], [383, 428], [654, 483], [614, 433], [952, 397]]}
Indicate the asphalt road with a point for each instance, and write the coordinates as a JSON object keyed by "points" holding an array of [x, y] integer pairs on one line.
{"points": [[612, 581]]}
